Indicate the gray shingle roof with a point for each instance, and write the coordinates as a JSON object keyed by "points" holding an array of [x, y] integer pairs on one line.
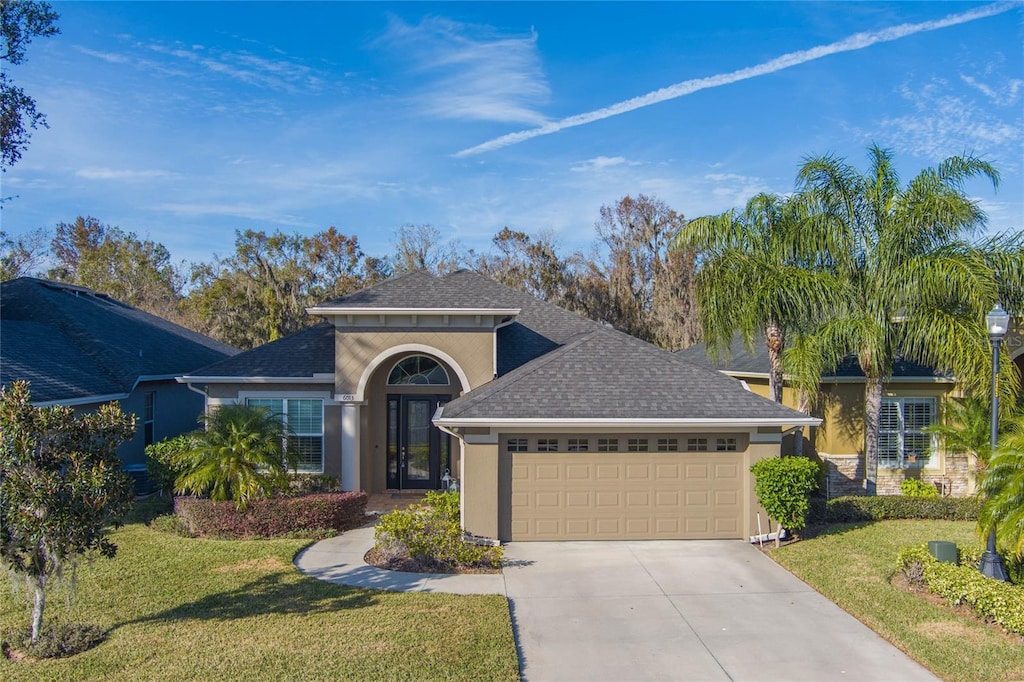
{"points": [[72, 343], [302, 354], [538, 329], [610, 375], [741, 360]]}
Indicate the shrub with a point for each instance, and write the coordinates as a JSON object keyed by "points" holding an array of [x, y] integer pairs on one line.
{"points": [[884, 507], [783, 486], [430, 533], [272, 517], [56, 640], [163, 460], [993, 600], [912, 487]]}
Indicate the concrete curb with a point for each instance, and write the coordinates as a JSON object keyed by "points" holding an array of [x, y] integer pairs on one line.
{"points": [[339, 560]]}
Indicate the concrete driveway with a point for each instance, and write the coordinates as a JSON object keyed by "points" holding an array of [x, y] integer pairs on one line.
{"points": [[693, 610]]}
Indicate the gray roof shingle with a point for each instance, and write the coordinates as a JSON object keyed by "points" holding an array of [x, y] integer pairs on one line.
{"points": [[610, 375], [741, 360], [302, 354], [73, 343]]}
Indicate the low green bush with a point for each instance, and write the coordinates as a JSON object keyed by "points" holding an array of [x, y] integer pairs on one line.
{"points": [[783, 486], [854, 508], [56, 640], [993, 600], [307, 516], [913, 487], [431, 534], [163, 460]]}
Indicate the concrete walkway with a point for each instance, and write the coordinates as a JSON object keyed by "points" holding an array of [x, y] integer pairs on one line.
{"points": [[688, 610], [340, 560]]}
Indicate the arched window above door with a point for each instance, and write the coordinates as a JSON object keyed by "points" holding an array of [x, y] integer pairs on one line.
{"points": [[418, 370]]}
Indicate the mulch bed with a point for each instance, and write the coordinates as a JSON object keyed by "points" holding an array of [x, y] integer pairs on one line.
{"points": [[407, 564]]}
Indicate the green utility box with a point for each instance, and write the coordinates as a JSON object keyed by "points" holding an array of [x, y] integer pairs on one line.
{"points": [[943, 551]]}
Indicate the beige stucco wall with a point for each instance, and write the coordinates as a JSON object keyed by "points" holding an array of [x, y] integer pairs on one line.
{"points": [[480, 494], [472, 350]]}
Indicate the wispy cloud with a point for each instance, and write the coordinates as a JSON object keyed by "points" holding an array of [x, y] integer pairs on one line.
{"points": [[943, 124], [1003, 94], [95, 173], [858, 41], [475, 73], [600, 163], [278, 73]]}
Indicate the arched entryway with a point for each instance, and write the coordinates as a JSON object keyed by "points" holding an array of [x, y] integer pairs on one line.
{"points": [[408, 451]]}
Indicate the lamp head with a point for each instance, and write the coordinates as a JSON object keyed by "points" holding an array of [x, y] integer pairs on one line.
{"points": [[998, 322]]}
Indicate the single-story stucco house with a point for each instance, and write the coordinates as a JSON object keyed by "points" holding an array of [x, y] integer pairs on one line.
{"points": [[555, 426], [81, 348], [913, 398]]}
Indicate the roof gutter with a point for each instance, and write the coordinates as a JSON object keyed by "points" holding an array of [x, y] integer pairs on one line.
{"points": [[585, 423]]}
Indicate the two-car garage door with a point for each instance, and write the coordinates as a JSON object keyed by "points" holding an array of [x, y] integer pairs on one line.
{"points": [[627, 496]]}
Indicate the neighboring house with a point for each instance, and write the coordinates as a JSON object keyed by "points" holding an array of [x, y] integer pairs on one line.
{"points": [[80, 348], [556, 427], [912, 399]]}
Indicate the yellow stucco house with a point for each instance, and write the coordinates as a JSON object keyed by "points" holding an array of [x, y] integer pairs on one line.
{"points": [[912, 399]]}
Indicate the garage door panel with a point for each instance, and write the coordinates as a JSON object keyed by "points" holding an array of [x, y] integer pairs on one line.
{"points": [[569, 496]]}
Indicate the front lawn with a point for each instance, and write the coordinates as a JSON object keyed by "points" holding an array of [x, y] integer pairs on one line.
{"points": [[188, 609], [851, 564]]}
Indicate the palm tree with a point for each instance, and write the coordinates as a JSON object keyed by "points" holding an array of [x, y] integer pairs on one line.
{"points": [[1002, 488], [913, 284], [239, 457], [966, 427], [757, 276]]}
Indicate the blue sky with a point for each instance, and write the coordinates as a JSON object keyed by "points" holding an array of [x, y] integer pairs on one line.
{"points": [[183, 122]]}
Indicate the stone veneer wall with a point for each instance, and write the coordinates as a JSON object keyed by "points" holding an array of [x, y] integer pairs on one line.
{"points": [[846, 476]]}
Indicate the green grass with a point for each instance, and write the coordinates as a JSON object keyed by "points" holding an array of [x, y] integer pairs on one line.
{"points": [[187, 609], [852, 564]]}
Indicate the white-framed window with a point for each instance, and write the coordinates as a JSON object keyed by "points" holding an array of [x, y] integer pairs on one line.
{"points": [[637, 445], [668, 445], [578, 445], [517, 445], [607, 444], [418, 370], [547, 445], [725, 444], [902, 443], [696, 444], [304, 420]]}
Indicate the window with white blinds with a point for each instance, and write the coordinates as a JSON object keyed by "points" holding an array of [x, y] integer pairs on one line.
{"points": [[902, 443]]}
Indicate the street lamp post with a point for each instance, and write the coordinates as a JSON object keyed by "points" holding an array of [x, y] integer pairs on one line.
{"points": [[997, 321]]}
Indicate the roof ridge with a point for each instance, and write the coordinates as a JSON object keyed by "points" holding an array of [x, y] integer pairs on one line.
{"points": [[389, 280]]}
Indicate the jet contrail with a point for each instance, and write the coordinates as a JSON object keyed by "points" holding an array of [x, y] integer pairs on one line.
{"points": [[858, 41]]}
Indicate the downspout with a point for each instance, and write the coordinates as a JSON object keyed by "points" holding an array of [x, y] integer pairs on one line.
{"points": [[494, 346]]}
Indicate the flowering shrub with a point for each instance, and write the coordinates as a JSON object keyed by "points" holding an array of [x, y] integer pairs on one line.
{"points": [[993, 600], [272, 517]]}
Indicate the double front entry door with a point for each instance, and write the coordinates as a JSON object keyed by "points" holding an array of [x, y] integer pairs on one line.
{"points": [[418, 452]]}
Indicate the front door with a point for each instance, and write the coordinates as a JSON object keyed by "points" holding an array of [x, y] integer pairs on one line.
{"points": [[418, 452]]}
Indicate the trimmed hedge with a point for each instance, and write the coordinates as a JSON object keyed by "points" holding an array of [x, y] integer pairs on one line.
{"points": [[993, 600], [883, 507], [272, 517]]}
